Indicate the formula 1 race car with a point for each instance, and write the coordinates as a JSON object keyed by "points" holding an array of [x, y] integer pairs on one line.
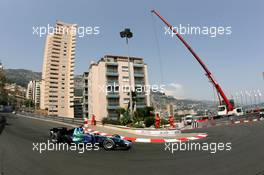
{"points": [[76, 135]]}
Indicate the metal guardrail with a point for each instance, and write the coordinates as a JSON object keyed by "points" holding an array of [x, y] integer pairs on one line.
{"points": [[228, 120], [75, 121]]}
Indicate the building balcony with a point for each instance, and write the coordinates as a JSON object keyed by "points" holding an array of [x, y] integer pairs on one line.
{"points": [[140, 83], [138, 74], [113, 95], [111, 73], [141, 95], [111, 63], [138, 65], [112, 82], [140, 105], [113, 106]]}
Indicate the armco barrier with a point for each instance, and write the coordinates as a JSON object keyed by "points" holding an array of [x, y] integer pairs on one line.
{"points": [[231, 120], [74, 121]]}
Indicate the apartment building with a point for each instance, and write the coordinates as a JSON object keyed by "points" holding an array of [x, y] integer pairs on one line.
{"points": [[57, 88], [78, 90], [107, 86], [85, 95], [78, 112], [29, 93], [33, 92]]}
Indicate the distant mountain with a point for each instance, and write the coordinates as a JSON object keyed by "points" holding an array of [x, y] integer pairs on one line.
{"points": [[21, 76], [161, 100]]}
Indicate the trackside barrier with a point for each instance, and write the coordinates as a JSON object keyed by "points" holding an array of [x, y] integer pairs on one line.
{"points": [[232, 120], [210, 123], [74, 121]]}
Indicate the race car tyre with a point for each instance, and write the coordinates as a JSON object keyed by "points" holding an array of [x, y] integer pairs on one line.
{"points": [[108, 144], [127, 148], [54, 137]]}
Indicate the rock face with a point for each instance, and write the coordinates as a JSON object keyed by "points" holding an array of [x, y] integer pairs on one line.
{"points": [[2, 123]]}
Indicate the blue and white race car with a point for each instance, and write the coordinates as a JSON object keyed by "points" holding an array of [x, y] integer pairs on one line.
{"points": [[77, 135]]}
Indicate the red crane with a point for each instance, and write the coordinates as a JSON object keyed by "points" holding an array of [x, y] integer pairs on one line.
{"points": [[230, 107]]}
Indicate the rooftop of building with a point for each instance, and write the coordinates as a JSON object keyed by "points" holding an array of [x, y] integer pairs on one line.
{"points": [[116, 58], [64, 23], [123, 57]]}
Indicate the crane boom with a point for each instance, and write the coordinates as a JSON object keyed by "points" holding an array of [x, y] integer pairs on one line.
{"points": [[230, 107]]}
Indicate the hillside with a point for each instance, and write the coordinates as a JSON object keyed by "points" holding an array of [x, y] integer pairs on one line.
{"points": [[161, 100], [21, 76]]}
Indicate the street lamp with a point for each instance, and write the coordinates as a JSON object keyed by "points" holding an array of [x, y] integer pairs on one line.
{"points": [[128, 34]]}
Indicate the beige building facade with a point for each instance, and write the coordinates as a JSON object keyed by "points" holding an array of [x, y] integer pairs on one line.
{"points": [[33, 92], [108, 85], [57, 87], [85, 95]]}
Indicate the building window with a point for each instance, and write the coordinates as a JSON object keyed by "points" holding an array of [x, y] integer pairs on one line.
{"points": [[126, 79], [124, 68]]}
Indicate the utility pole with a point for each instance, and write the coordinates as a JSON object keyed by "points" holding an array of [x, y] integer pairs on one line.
{"points": [[128, 34]]}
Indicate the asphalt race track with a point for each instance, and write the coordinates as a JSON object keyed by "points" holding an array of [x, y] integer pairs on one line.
{"points": [[18, 158]]}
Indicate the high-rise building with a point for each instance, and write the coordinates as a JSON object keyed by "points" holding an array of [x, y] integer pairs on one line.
{"points": [[29, 90], [107, 86], [33, 92], [85, 95], [57, 87], [78, 111], [78, 96]]}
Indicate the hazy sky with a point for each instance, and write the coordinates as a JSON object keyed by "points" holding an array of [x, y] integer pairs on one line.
{"points": [[236, 60]]}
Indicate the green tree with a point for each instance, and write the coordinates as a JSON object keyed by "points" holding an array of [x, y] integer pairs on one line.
{"points": [[29, 103], [3, 92], [121, 111], [143, 113], [134, 99], [125, 118]]}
